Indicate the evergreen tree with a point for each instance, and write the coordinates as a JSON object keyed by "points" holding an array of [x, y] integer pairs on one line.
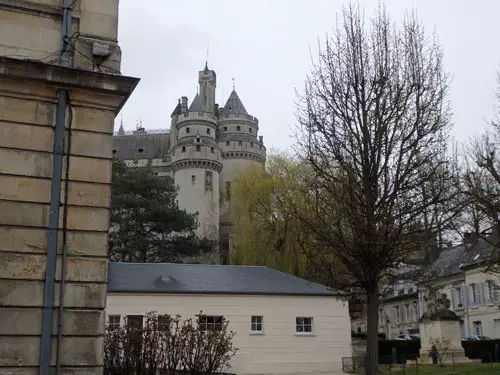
{"points": [[146, 224]]}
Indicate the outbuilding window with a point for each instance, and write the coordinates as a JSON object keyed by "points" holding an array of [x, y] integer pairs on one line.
{"points": [[256, 324], [303, 325], [210, 322], [114, 321]]}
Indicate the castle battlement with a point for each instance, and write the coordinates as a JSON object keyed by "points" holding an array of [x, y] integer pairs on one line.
{"points": [[238, 117], [196, 117]]}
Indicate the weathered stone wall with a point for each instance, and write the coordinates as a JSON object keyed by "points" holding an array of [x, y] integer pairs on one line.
{"points": [[27, 118]]}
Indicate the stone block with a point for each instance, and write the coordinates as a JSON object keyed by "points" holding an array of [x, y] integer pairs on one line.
{"points": [[28, 322], [92, 119], [89, 170], [26, 137], [32, 267], [28, 111], [87, 219], [75, 351], [23, 214], [34, 240], [30, 293], [25, 163], [28, 189], [91, 144]]}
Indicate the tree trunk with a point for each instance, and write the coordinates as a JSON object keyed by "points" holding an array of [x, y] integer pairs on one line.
{"points": [[372, 297]]}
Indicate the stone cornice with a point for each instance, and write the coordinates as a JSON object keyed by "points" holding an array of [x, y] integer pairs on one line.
{"points": [[197, 164]]}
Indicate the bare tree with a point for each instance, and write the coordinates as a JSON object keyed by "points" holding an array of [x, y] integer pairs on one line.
{"points": [[374, 125], [481, 183]]}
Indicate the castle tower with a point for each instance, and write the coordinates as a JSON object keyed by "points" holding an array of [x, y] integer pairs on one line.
{"points": [[241, 147], [196, 156]]}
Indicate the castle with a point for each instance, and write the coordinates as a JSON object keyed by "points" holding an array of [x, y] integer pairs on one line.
{"points": [[204, 150]]}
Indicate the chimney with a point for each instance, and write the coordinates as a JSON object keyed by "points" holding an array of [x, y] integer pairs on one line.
{"points": [[469, 239], [184, 104]]}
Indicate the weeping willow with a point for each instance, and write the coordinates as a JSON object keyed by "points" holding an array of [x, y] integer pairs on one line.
{"points": [[265, 229]]}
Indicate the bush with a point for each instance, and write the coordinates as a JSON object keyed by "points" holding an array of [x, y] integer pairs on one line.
{"points": [[168, 345], [405, 350], [485, 350]]}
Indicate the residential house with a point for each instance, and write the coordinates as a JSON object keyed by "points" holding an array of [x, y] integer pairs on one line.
{"points": [[283, 324]]}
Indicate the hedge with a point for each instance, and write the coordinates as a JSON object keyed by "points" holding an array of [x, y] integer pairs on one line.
{"points": [[485, 350]]}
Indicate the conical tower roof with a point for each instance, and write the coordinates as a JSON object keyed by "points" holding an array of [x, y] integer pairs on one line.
{"points": [[234, 105], [197, 104]]}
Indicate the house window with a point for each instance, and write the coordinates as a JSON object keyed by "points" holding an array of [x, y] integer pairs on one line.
{"points": [[208, 130], [381, 317], [478, 329], [134, 321], [210, 322], [208, 181], [114, 321], [303, 325], [228, 190], [183, 148], [256, 324], [397, 314], [491, 291], [408, 312], [198, 148], [187, 130], [473, 294], [238, 128], [460, 297], [193, 179], [164, 322]]}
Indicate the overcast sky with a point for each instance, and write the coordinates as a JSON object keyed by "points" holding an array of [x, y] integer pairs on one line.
{"points": [[264, 45]]}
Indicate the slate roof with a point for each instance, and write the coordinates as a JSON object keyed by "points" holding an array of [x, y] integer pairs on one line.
{"points": [[447, 263], [234, 105], [153, 146], [481, 252], [208, 279], [197, 104]]}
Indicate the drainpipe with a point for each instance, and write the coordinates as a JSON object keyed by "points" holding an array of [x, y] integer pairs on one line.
{"points": [[55, 195]]}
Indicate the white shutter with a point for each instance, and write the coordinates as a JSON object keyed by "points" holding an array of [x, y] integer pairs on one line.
{"points": [[453, 298], [470, 296], [480, 293]]}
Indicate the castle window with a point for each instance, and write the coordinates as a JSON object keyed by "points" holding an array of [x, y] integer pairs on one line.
{"points": [[183, 148], [238, 128], [225, 128], [227, 143], [208, 181], [250, 130], [198, 139], [251, 144], [187, 130], [240, 143], [193, 179], [208, 130], [114, 152], [212, 150], [141, 150], [198, 148], [228, 191]]}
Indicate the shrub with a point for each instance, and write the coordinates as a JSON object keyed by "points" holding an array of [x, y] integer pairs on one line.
{"points": [[167, 345], [485, 350]]}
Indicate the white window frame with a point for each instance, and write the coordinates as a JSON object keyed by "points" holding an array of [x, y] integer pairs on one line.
{"points": [[304, 325], [112, 324], [209, 323], [256, 324]]}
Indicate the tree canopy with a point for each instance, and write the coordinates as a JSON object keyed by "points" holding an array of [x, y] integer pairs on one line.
{"points": [[146, 224], [373, 127]]}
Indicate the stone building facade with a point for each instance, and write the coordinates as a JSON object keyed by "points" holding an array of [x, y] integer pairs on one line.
{"points": [[204, 150], [54, 198]]}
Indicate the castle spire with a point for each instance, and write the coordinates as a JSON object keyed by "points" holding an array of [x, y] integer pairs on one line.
{"points": [[121, 131]]}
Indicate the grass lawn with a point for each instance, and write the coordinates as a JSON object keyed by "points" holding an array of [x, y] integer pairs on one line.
{"points": [[459, 369]]}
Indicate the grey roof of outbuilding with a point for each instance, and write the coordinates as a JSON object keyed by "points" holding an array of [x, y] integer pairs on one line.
{"points": [[234, 105], [176, 278], [153, 146]]}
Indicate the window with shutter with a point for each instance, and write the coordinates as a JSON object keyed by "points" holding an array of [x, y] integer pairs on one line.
{"points": [[480, 294]]}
